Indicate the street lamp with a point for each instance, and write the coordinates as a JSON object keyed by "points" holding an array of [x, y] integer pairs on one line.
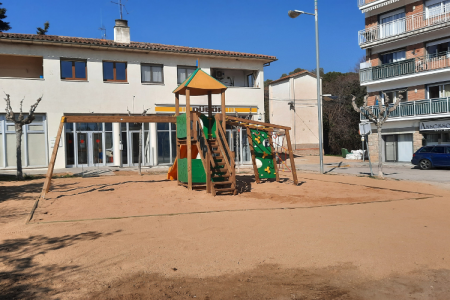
{"points": [[294, 14]]}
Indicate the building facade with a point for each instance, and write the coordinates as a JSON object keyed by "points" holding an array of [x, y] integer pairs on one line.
{"points": [[407, 47], [80, 76], [293, 103]]}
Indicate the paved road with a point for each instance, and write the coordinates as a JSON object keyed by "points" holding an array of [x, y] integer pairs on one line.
{"points": [[393, 171]]}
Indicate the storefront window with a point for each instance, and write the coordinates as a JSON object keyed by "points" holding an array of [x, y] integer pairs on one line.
{"points": [[166, 135], [34, 146]]}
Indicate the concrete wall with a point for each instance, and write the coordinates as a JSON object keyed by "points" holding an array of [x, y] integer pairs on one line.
{"points": [[95, 95], [303, 120]]}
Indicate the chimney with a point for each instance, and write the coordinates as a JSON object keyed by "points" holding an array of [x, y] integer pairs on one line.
{"points": [[121, 32]]}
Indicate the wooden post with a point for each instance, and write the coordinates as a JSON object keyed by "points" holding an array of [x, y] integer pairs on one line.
{"points": [[209, 115], [252, 151], [224, 120], [177, 104], [275, 165], [208, 170], [188, 137], [291, 156], [51, 166]]}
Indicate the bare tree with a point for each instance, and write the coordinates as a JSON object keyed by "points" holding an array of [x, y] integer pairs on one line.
{"points": [[140, 140], [18, 125], [384, 112]]}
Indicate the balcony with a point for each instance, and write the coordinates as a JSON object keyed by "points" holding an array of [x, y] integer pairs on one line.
{"points": [[422, 64], [417, 109], [409, 24], [364, 2]]}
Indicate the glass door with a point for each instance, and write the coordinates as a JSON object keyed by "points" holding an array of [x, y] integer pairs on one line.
{"points": [[83, 148], [97, 147], [391, 148], [134, 148]]}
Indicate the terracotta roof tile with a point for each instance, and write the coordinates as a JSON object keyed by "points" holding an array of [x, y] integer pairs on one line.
{"points": [[132, 45], [293, 75]]}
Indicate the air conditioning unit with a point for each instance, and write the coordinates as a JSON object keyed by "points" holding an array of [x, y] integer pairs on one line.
{"points": [[219, 74]]}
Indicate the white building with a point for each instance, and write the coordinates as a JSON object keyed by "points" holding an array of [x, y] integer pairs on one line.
{"points": [[80, 75], [407, 45], [293, 103]]}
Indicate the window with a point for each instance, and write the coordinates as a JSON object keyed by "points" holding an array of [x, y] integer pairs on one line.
{"points": [[394, 95], [151, 73], [250, 80], [34, 145], [393, 57], [438, 48], [114, 71], [436, 8], [392, 23], [426, 150], [184, 73], [439, 91], [167, 141], [73, 69], [438, 150], [236, 77], [448, 150]]}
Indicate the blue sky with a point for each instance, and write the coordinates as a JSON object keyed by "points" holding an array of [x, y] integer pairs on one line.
{"points": [[237, 25]]}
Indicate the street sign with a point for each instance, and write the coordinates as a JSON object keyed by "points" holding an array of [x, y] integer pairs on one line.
{"points": [[365, 129]]}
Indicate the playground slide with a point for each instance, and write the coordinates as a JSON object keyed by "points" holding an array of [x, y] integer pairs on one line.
{"points": [[173, 171]]}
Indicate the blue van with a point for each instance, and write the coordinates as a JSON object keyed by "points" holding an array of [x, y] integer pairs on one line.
{"points": [[432, 156]]}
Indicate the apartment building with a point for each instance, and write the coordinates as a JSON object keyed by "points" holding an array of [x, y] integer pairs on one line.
{"points": [[81, 75], [293, 103], [407, 47]]}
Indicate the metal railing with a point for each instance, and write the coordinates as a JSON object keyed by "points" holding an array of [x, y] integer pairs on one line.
{"points": [[416, 108], [407, 24], [364, 2], [405, 67]]}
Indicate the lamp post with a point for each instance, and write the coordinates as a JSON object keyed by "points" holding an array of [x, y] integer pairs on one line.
{"points": [[294, 14]]}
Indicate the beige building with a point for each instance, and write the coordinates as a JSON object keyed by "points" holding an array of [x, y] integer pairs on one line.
{"points": [[80, 75], [293, 103]]}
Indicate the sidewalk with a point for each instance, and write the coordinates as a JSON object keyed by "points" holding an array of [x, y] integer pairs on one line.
{"points": [[398, 171]]}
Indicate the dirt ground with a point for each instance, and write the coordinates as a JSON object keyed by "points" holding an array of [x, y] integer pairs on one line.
{"points": [[143, 237]]}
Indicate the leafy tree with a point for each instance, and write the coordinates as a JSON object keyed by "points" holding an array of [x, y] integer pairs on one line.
{"points": [[283, 75], [321, 72], [296, 71], [44, 31], [4, 26]]}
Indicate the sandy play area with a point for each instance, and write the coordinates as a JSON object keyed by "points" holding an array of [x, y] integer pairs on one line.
{"points": [[143, 237]]}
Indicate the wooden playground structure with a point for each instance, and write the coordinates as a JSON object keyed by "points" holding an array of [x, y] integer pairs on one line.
{"points": [[202, 136]]}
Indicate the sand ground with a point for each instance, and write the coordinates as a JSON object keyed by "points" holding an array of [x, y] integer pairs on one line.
{"points": [[143, 237]]}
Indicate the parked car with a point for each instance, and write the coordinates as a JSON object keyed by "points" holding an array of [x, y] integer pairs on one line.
{"points": [[432, 156]]}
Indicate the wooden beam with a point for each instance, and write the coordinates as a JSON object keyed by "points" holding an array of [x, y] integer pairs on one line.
{"points": [[275, 165], [291, 156], [224, 122], [257, 123], [51, 166], [252, 151], [92, 118], [188, 137], [177, 104]]}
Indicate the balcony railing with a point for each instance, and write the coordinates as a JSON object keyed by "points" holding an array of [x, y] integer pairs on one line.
{"points": [[364, 2], [407, 24], [416, 108], [405, 67]]}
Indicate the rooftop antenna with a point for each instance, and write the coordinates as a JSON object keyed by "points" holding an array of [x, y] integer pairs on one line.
{"points": [[121, 7], [102, 29]]}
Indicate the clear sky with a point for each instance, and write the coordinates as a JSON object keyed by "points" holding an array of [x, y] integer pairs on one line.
{"points": [[252, 26]]}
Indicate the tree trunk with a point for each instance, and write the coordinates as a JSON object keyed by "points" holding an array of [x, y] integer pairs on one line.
{"points": [[140, 150], [19, 130], [380, 153]]}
